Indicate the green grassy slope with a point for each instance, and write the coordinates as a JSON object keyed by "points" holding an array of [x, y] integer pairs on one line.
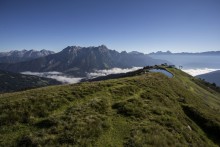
{"points": [[145, 110]]}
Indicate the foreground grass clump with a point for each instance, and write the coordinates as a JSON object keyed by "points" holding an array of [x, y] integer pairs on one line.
{"points": [[131, 108], [145, 110]]}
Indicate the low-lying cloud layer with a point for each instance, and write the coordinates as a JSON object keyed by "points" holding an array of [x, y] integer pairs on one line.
{"points": [[195, 72], [55, 75], [66, 79], [71, 80], [105, 72]]}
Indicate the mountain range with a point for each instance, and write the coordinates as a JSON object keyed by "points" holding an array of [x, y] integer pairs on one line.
{"points": [[77, 61], [23, 55], [214, 53], [209, 59]]}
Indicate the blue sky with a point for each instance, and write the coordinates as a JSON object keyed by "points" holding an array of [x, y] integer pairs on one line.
{"points": [[142, 25]]}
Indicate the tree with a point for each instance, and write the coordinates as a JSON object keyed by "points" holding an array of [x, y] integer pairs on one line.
{"points": [[213, 84]]}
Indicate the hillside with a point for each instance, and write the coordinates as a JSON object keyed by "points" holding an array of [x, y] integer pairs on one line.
{"points": [[146, 109], [77, 61], [11, 82], [212, 77], [24, 55]]}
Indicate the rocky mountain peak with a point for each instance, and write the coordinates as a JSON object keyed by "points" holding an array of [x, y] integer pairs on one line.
{"points": [[102, 47], [71, 49], [135, 53]]}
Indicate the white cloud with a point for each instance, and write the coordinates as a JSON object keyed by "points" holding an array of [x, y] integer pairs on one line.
{"points": [[55, 75], [70, 79], [105, 72], [195, 72], [65, 79], [41, 74]]}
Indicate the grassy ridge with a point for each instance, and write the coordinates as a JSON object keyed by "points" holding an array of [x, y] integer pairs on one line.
{"points": [[146, 110]]}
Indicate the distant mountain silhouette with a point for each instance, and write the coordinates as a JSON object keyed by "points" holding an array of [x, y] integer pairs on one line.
{"points": [[11, 82], [77, 61], [208, 59], [24, 55], [161, 53], [214, 53], [212, 77]]}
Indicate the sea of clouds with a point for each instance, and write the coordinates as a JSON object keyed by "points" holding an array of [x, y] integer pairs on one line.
{"points": [[105, 72], [67, 79], [55, 75], [199, 71]]}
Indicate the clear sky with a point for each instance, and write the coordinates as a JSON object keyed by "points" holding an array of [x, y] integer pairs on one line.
{"points": [[141, 25]]}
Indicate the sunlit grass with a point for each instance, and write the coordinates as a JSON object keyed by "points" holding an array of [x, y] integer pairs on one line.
{"points": [[145, 110]]}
